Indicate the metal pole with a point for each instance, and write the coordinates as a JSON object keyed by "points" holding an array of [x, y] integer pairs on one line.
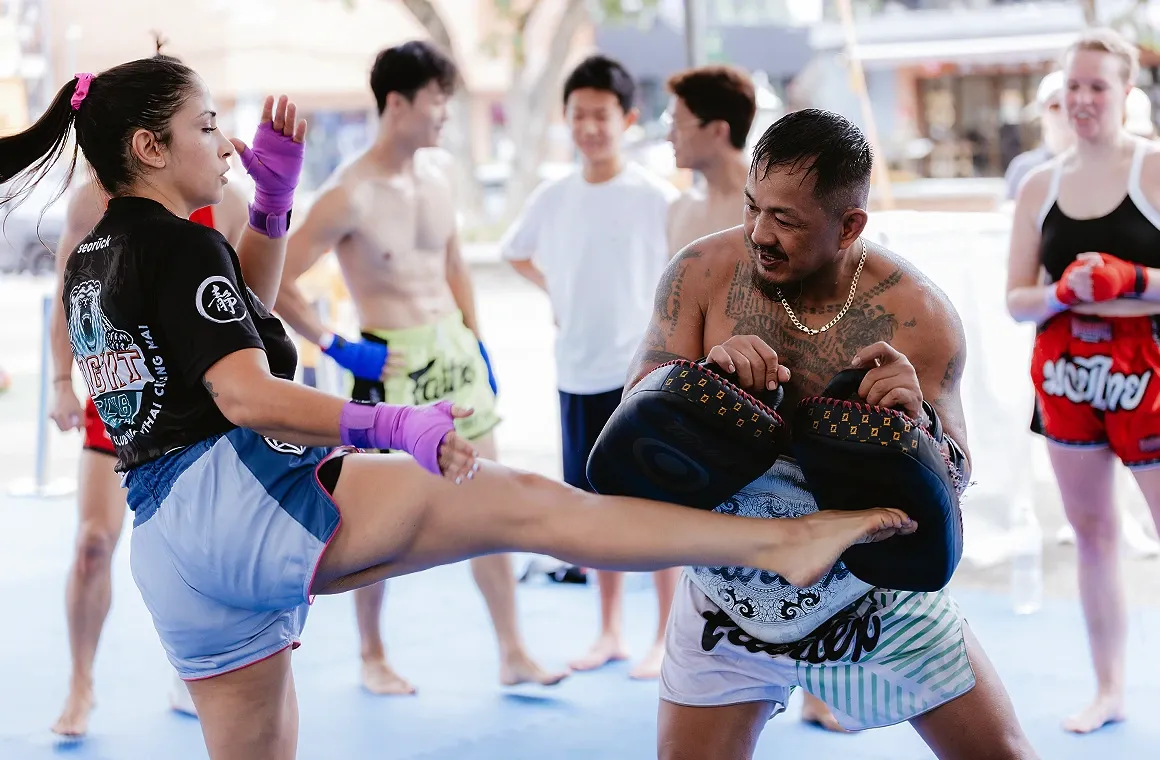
{"points": [[326, 374], [38, 485], [859, 77], [695, 32], [42, 407], [49, 83]]}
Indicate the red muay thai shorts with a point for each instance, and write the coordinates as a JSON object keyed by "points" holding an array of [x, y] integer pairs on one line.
{"points": [[1096, 384], [96, 437]]}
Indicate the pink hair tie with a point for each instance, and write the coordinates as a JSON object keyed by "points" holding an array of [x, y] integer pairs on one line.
{"points": [[83, 81]]}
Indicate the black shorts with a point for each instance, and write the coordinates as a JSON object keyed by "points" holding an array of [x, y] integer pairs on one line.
{"points": [[582, 417]]}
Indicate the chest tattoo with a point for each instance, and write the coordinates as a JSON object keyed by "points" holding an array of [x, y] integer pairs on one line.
{"points": [[812, 359]]}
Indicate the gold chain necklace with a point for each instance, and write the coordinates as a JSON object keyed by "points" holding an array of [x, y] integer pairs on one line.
{"points": [[853, 287]]}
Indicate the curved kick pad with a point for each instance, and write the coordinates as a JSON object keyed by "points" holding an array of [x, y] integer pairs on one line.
{"points": [[857, 456], [688, 435]]}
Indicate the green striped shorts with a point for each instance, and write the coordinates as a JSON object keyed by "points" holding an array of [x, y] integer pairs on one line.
{"points": [[886, 658]]}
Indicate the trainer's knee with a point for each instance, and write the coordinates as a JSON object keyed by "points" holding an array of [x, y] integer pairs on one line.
{"points": [[674, 750], [1013, 745], [672, 745], [94, 549]]}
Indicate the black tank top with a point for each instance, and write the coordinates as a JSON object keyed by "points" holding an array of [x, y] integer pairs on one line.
{"points": [[1131, 231]]}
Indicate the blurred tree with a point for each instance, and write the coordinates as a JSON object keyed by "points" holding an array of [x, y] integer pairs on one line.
{"points": [[1136, 22], [1091, 16], [534, 93], [534, 96]]}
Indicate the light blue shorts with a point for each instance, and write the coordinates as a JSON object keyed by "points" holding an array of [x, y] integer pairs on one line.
{"points": [[227, 535]]}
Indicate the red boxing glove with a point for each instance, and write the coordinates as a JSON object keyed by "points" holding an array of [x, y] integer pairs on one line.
{"points": [[1117, 278], [1063, 291]]}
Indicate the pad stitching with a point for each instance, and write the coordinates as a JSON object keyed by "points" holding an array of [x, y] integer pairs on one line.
{"points": [[732, 386], [955, 473]]}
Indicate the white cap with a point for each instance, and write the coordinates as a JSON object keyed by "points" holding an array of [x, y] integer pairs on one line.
{"points": [[1138, 113], [1050, 86]]}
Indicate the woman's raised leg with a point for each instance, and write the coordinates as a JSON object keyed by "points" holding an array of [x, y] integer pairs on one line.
{"points": [[399, 519]]}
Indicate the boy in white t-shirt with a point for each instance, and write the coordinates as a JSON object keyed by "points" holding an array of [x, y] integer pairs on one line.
{"points": [[595, 242]]}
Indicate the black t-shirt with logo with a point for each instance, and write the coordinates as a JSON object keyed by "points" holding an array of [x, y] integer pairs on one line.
{"points": [[152, 301]]}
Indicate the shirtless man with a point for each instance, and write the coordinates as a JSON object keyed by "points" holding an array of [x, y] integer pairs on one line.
{"points": [[792, 296], [709, 119], [101, 500], [390, 216]]}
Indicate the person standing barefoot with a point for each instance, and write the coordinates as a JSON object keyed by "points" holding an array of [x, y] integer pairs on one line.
{"points": [[389, 214]]}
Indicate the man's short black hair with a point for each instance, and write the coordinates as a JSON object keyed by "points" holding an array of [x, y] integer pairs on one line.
{"points": [[410, 67], [598, 72], [718, 93], [825, 144]]}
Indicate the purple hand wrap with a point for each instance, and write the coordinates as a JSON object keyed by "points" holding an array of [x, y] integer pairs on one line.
{"points": [[275, 164], [417, 430]]}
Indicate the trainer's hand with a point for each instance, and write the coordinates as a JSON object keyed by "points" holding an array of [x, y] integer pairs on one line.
{"points": [[457, 456], [67, 412], [891, 381], [1075, 286], [752, 360]]}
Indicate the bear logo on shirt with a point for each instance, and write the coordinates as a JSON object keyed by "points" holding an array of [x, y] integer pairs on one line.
{"points": [[218, 301], [113, 365]]}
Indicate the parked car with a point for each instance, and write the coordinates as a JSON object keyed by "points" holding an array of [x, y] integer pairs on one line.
{"points": [[31, 230]]}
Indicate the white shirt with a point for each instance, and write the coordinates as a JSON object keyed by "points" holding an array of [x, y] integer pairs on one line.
{"points": [[602, 249]]}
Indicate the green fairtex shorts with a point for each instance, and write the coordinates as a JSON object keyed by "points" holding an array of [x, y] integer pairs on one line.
{"points": [[443, 363]]}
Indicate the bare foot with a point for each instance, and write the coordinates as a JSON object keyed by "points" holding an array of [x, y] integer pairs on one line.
{"points": [[818, 540], [1101, 712], [818, 713], [649, 667], [522, 669], [380, 678], [607, 649], [74, 719]]}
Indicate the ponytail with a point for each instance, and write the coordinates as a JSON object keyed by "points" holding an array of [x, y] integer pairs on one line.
{"points": [[31, 154], [104, 112]]}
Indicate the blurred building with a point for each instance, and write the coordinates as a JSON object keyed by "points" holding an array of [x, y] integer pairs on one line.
{"points": [[949, 81], [756, 36], [319, 51]]}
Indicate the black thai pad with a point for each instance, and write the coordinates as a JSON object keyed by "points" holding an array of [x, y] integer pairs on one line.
{"points": [[857, 456], [686, 434]]}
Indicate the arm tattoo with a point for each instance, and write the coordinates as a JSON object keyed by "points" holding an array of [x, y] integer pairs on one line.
{"points": [[209, 387], [667, 306], [656, 358], [654, 349], [654, 339], [948, 398], [954, 372]]}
